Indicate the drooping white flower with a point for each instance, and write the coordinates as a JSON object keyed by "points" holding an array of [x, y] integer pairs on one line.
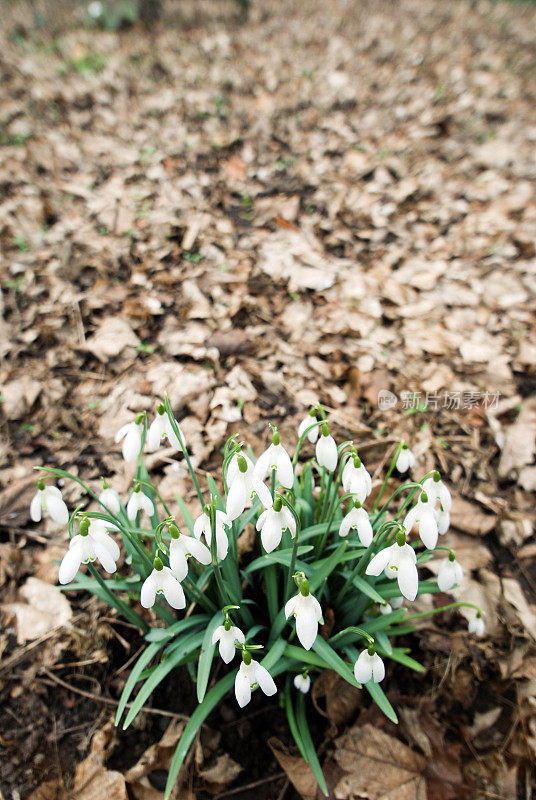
{"points": [[308, 613], [386, 608], [476, 625], [405, 460], [397, 602], [273, 522], [139, 501], [423, 513], [131, 433], [450, 574], [243, 484], [436, 490], [110, 498], [250, 675], [306, 423], [326, 450], [202, 528], [358, 519], [49, 499], [161, 427], [181, 547], [356, 479], [91, 543], [302, 683], [95, 9], [276, 457], [162, 581], [369, 666], [226, 635], [398, 561]]}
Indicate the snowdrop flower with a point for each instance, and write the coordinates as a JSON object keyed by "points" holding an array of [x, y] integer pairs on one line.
{"points": [[273, 522], [436, 490], [49, 499], [358, 519], [250, 675], [355, 478], [161, 427], [276, 457], [302, 683], [369, 667], [202, 528], [405, 460], [162, 581], [226, 635], [308, 613], [398, 561], [95, 9], [476, 625], [139, 501], [397, 602], [110, 498], [92, 542], [309, 420], [326, 450], [450, 573], [243, 484], [182, 546], [386, 608], [423, 513], [131, 433]]}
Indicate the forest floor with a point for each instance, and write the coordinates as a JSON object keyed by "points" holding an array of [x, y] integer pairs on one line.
{"points": [[332, 201]]}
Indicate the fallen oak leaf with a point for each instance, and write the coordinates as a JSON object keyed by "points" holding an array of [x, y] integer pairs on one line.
{"points": [[378, 767]]}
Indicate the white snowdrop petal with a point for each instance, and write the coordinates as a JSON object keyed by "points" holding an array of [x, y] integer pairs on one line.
{"points": [[285, 472], [242, 688], [132, 507], [173, 439], [378, 668], [428, 529], [132, 444], [197, 549], [177, 561], [36, 507], [264, 679], [364, 528], [147, 504], [271, 532], [302, 683], [70, 563], [379, 562], [238, 634], [57, 509], [236, 498], [222, 543], [200, 524], [306, 626], [262, 492], [100, 536], [218, 633], [104, 556], [363, 668], [263, 463], [227, 647], [122, 432], [410, 519], [290, 606], [148, 591], [408, 578], [173, 591], [154, 434]]}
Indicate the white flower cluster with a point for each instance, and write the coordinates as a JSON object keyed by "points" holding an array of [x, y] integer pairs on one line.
{"points": [[245, 481]]}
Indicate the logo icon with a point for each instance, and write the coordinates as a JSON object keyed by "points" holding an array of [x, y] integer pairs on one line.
{"points": [[386, 399]]}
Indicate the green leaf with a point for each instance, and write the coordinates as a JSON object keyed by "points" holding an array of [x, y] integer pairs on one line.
{"points": [[207, 653], [280, 557], [305, 656], [334, 660], [310, 752], [187, 517], [212, 698], [378, 695], [383, 643], [365, 587], [398, 654], [272, 657], [326, 567], [292, 721], [214, 491], [191, 642], [182, 625], [147, 655]]}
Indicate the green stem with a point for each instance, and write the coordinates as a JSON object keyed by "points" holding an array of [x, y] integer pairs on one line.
{"points": [[177, 433], [214, 555], [398, 448]]}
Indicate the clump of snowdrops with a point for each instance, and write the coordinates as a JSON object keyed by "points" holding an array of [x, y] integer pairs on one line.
{"points": [[321, 545]]}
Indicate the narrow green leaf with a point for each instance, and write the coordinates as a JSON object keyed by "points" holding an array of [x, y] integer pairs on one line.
{"points": [[272, 657], [207, 653], [334, 660], [305, 656], [280, 557], [144, 659], [397, 654], [310, 752], [378, 695], [187, 517], [212, 698], [291, 717], [365, 587], [327, 566], [182, 625], [191, 642]]}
